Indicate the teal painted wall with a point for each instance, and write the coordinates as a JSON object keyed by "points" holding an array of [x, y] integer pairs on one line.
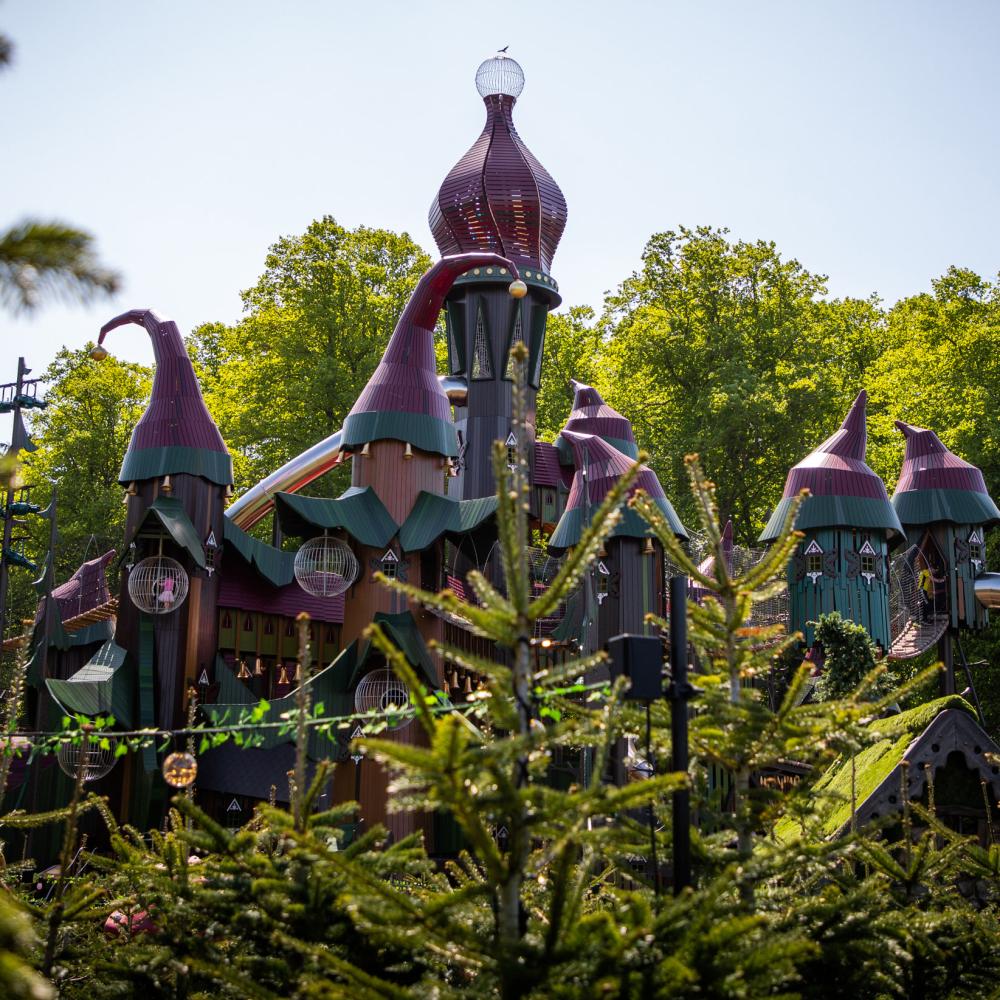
{"points": [[841, 587]]}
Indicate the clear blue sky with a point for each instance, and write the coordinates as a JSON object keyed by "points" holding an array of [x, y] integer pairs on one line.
{"points": [[187, 136]]}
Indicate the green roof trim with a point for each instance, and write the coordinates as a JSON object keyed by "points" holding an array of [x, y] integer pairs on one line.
{"points": [[570, 526], [893, 736], [835, 512], [358, 511], [154, 463], [100, 687], [406, 637], [171, 514], [434, 515], [957, 506], [423, 431], [98, 632], [275, 566], [629, 448], [329, 686]]}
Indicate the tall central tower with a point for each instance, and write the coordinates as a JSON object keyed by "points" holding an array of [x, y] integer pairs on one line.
{"points": [[498, 198]]}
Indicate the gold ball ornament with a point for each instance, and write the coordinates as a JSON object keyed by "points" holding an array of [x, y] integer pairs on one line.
{"points": [[180, 770], [98, 352], [518, 289]]}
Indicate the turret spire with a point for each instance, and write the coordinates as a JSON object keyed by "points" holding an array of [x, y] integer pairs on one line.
{"points": [[176, 434]]}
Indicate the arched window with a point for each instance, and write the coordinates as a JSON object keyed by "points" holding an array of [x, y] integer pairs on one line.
{"points": [[516, 337], [482, 361]]}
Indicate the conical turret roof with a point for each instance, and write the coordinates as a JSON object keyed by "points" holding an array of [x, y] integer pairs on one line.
{"points": [[936, 485], [845, 492], [591, 415], [403, 399], [498, 197], [176, 434], [599, 466]]}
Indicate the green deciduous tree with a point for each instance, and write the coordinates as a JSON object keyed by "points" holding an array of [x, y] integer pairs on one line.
{"points": [[572, 351], [316, 324], [730, 350]]}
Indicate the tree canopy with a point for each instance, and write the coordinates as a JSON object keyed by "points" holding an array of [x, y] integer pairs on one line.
{"points": [[316, 324]]}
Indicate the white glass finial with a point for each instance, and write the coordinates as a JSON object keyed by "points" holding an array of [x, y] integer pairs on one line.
{"points": [[500, 75]]}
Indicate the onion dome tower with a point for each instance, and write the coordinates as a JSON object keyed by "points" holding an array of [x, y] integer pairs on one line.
{"points": [[178, 475], [628, 580], [946, 511], [849, 525], [498, 198]]}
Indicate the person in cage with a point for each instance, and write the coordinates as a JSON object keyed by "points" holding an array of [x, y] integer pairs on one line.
{"points": [[166, 594]]}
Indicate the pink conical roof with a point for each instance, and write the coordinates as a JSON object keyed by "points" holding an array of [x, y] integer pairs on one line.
{"points": [[591, 415], [176, 432], [599, 466], [837, 467], [403, 399], [498, 197], [929, 465]]}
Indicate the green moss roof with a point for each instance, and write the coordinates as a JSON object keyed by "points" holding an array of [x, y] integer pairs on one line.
{"points": [[893, 736]]}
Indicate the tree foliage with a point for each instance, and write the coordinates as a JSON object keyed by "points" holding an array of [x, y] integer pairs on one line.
{"points": [[730, 350], [317, 322]]}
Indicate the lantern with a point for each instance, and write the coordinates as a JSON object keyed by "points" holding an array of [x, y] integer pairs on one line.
{"points": [[180, 770], [325, 567]]}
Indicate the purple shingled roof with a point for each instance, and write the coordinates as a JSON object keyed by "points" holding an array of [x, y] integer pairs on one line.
{"points": [[599, 466], [498, 197], [591, 415], [547, 471], [248, 592], [85, 590], [405, 380], [929, 465], [837, 467], [176, 414]]}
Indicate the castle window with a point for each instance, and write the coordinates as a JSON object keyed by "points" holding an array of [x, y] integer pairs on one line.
{"points": [[511, 443], [516, 337], [976, 549], [227, 620], [290, 628], [482, 363], [390, 565], [268, 626], [868, 557], [814, 560]]}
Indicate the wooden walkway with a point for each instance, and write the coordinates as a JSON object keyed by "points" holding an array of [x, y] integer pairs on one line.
{"points": [[917, 636]]}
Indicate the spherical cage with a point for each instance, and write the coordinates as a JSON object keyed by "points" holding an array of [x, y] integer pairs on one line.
{"points": [[96, 762], [382, 692], [158, 585], [500, 75], [325, 567]]}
